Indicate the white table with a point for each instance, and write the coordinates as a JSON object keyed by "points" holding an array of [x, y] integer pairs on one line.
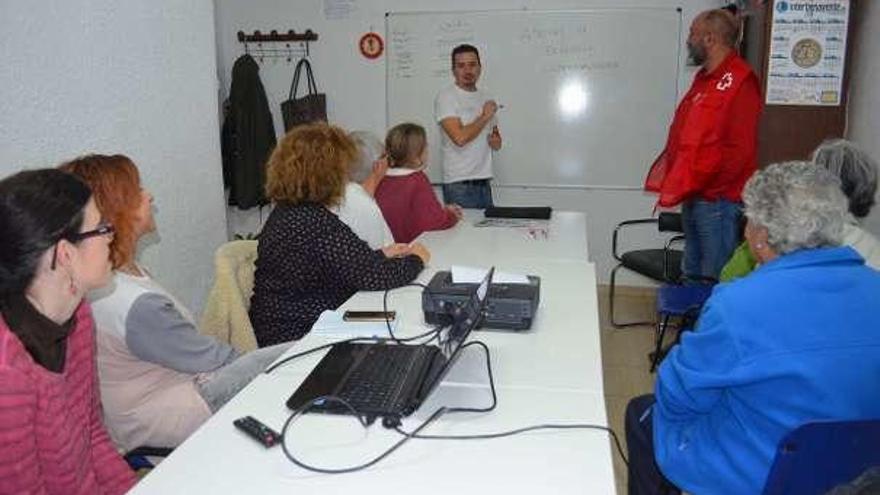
{"points": [[219, 459], [562, 349], [549, 374], [566, 239]]}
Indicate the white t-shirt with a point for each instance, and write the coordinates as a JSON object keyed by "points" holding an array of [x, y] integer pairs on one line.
{"points": [[362, 215], [864, 243], [473, 160]]}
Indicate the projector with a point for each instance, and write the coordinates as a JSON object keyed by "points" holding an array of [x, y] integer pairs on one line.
{"points": [[509, 307]]}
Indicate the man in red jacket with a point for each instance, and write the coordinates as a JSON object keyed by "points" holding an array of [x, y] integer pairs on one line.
{"points": [[712, 146]]}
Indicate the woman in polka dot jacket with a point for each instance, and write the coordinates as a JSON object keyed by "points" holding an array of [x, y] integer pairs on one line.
{"points": [[308, 260]]}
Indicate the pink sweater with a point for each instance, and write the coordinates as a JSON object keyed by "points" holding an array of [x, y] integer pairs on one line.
{"points": [[52, 437], [410, 206]]}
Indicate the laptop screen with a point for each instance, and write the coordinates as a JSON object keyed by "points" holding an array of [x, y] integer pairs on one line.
{"points": [[464, 321], [468, 316]]}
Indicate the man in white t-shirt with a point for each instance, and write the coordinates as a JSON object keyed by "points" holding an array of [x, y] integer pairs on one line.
{"points": [[469, 134]]}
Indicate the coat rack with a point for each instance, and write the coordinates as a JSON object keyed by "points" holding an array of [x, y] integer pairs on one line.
{"points": [[296, 45]]}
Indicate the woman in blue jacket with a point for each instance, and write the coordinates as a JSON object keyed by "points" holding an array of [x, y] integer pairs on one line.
{"points": [[794, 342]]}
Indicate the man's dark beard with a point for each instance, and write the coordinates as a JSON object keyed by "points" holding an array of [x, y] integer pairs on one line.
{"points": [[696, 54]]}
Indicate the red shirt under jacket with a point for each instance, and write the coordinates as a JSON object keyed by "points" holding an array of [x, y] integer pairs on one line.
{"points": [[712, 147], [410, 206]]}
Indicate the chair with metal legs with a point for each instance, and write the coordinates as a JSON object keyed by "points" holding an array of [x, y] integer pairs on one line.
{"points": [[662, 264], [676, 301]]}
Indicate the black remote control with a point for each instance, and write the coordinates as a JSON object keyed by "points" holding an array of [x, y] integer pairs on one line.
{"points": [[258, 431]]}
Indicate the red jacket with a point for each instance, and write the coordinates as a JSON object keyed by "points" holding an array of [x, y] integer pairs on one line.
{"points": [[712, 147], [410, 206]]}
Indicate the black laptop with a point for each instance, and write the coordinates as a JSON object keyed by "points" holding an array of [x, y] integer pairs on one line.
{"points": [[380, 379]]}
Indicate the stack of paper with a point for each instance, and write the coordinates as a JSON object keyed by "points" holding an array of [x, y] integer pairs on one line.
{"points": [[473, 275]]}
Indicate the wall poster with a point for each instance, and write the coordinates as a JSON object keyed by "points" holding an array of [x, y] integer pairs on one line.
{"points": [[807, 52]]}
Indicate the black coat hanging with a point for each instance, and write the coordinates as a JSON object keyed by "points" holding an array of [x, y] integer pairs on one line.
{"points": [[248, 136]]}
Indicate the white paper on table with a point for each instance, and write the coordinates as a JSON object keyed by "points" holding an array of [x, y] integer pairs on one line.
{"points": [[532, 229], [505, 222], [474, 275], [330, 323]]}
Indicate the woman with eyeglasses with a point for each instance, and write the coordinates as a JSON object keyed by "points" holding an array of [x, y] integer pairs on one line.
{"points": [[54, 249], [160, 378]]}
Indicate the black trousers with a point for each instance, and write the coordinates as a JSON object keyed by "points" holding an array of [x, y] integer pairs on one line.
{"points": [[645, 477]]}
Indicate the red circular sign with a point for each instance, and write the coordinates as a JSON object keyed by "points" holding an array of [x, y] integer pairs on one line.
{"points": [[371, 45]]}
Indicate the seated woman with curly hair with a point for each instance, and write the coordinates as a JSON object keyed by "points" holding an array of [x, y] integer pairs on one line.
{"points": [[308, 260], [858, 179], [794, 342], [358, 209], [160, 378]]}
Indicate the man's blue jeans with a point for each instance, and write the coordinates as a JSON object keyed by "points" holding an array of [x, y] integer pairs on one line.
{"points": [[468, 193], [712, 232]]}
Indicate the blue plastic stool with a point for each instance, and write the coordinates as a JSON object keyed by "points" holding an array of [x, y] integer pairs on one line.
{"points": [[676, 301]]}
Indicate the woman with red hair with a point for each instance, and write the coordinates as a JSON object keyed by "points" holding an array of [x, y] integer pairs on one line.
{"points": [[160, 378]]}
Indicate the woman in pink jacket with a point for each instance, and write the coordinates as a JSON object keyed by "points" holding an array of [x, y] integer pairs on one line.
{"points": [[55, 249], [405, 195]]}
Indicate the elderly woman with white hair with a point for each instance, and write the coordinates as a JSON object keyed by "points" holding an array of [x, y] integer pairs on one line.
{"points": [[358, 209], [858, 180], [794, 342]]}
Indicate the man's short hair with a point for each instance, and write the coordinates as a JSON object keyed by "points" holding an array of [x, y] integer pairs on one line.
{"points": [[722, 23], [465, 49]]}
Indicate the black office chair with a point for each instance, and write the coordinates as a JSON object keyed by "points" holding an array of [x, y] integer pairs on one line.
{"points": [[660, 264]]}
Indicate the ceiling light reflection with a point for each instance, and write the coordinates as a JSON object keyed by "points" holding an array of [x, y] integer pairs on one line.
{"points": [[572, 99]]}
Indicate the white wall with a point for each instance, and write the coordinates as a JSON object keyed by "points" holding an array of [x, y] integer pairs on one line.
{"points": [[134, 77], [356, 88], [864, 106]]}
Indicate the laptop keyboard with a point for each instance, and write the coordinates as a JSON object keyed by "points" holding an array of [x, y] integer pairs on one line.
{"points": [[375, 382]]}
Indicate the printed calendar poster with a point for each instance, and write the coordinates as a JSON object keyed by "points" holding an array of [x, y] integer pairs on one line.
{"points": [[807, 52]]}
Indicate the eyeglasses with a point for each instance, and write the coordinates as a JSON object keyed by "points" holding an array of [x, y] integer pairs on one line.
{"points": [[103, 228]]}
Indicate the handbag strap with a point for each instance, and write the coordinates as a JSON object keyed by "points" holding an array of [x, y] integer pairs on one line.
{"points": [[295, 82], [310, 79], [313, 88]]}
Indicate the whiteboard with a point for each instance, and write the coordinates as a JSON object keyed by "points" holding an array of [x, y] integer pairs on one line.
{"points": [[588, 95]]}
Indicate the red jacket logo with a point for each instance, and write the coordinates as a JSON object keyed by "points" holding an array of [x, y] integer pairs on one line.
{"points": [[725, 82]]}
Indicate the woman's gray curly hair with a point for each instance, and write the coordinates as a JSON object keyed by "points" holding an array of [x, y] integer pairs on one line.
{"points": [[370, 148], [799, 203], [856, 170]]}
